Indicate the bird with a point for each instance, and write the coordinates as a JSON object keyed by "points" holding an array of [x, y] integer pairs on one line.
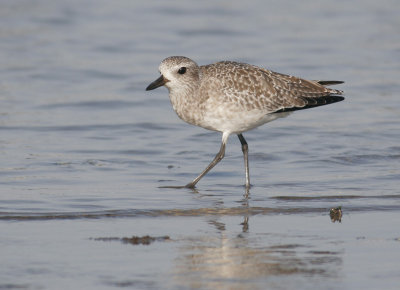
{"points": [[234, 97]]}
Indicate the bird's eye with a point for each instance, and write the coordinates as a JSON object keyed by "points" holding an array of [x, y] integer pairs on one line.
{"points": [[182, 70]]}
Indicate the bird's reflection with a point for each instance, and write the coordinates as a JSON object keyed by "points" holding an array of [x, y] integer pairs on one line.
{"points": [[245, 204], [232, 258]]}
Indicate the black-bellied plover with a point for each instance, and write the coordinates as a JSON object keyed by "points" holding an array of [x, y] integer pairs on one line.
{"points": [[232, 98]]}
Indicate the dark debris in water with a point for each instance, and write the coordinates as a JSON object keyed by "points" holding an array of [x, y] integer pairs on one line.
{"points": [[14, 286], [132, 284], [135, 240], [336, 214]]}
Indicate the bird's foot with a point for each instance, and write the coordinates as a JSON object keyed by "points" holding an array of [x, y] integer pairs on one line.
{"points": [[172, 186], [189, 185]]}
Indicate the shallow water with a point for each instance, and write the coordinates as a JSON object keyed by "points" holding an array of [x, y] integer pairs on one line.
{"points": [[84, 149]]}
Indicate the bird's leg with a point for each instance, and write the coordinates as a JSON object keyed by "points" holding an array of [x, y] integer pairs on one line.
{"points": [[217, 158], [245, 149]]}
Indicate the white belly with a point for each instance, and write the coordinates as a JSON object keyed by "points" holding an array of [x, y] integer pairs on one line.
{"points": [[237, 122]]}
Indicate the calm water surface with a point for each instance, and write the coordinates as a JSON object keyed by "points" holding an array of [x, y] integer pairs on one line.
{"points": [[84, 149]]}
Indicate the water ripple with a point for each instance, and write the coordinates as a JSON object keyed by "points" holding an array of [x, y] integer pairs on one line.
{"points": [[85, 127], [228, 211]]}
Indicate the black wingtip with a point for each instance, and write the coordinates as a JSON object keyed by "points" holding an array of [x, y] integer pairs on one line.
{"points": [[314, 102], [330, 83]]}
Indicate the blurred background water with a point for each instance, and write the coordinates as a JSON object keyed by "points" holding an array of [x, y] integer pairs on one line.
{"points": [[84, 149]]}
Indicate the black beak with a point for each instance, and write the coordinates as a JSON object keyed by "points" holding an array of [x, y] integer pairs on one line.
{"points": [[157, 83]]}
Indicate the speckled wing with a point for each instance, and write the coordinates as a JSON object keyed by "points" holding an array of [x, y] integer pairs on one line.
{"points": [[254, 88], [296, 94]]}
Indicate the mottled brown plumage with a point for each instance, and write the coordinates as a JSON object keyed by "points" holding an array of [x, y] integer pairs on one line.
{"points": [[233, 97]]}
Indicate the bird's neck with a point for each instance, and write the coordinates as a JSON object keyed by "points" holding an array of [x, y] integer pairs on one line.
{"points": [[186, 103]]}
